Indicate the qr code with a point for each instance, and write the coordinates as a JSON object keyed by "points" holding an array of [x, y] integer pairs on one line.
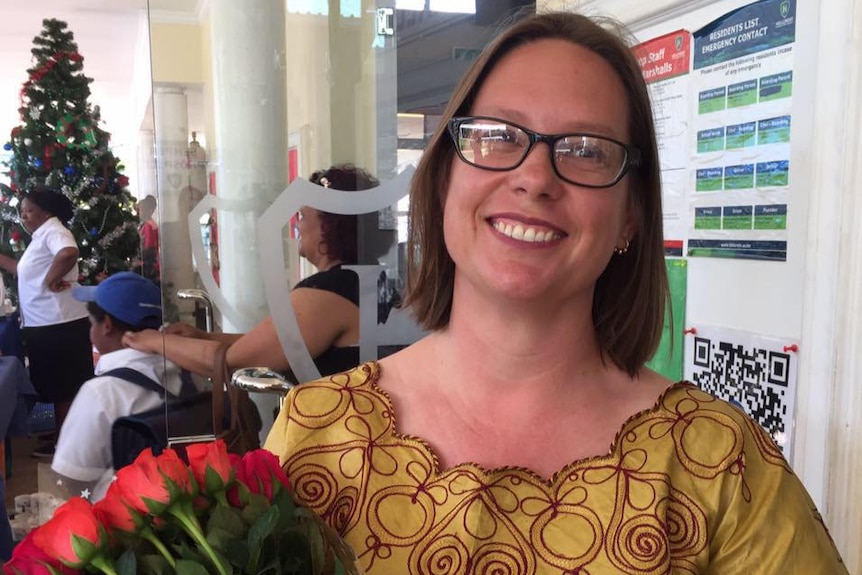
{"points": [[756, 380]]}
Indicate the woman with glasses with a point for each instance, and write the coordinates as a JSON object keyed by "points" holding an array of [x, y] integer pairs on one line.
{"points": [[525, 434]]}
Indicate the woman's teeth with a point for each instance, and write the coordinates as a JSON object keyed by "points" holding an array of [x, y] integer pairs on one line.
{"points": [[525, 234]]}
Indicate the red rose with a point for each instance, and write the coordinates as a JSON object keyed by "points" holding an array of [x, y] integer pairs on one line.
{"points": [[261, 472], [73, 535], [233, 493], [123, 181], [114, 513], [28, 559], [210, 465], [151, 484]]}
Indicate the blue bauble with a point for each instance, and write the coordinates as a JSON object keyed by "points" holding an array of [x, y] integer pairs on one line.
{"points": [[94, 232], [7, 146], [37, 162], [68, 170]]}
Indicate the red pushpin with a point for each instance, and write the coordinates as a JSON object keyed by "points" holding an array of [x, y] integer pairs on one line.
{"points": [[690, 330]]}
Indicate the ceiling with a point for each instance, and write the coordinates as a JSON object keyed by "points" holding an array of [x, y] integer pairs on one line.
{"points": [[113, 38]]}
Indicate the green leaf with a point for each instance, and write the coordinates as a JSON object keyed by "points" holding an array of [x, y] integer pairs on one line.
{"points": [[226, 519], [236, 552], [188, 551], [287, 508], [153, 564], [262, 528], [219, 538], [190, 568], [259, 531], [127, 564], [257, 506]]}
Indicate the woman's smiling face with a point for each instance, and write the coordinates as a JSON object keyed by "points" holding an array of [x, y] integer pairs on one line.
{"points": [[549, 86]]}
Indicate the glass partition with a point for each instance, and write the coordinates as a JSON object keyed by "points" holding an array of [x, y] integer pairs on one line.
{"points": [[223, 111], [254, 99]]}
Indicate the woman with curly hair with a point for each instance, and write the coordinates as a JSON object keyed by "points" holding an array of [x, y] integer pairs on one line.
{"points": [[326, 303]]}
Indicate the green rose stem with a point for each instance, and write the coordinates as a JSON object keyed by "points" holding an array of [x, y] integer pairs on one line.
{"points": [[148, 534], [182, 511], [103, 565]]}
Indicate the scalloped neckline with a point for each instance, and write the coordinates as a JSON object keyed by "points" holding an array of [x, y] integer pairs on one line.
{"points": [[376, 370]]}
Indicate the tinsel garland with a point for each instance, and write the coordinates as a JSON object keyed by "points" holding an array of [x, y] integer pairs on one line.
{"points": [[46, 67], [116, 233], [101, 226]]}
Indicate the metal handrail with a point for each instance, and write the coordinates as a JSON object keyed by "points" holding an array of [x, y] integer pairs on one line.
{"points": [[262, 380], [200, 295]]}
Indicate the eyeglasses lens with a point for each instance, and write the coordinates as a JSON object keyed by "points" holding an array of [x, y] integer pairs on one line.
{"points": [[578, 158]]}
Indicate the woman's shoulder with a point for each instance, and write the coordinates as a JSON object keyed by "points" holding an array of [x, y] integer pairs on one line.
{"points": [[703, 432], [338, 395], [337, 280], [317, 413]]}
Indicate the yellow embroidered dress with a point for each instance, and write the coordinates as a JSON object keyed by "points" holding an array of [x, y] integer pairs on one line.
{"points": [[690, 486]]}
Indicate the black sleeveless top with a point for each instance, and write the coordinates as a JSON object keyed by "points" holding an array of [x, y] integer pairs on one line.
{"points": [[346, 284]]}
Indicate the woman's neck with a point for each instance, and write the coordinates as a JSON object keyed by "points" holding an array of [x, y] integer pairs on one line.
{"points": [[509, 336], [327, 264]]}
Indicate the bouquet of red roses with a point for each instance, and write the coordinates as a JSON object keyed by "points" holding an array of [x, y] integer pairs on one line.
{"points": [[221, 514]]}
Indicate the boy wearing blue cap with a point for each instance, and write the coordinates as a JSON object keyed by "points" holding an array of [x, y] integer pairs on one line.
{"points": [[122, 302]]}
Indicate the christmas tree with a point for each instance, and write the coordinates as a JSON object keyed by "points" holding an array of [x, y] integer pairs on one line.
{"points": [[59, 144]]}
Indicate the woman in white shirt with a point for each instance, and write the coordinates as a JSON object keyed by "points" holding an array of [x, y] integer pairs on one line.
{"points": [[55, 325]]}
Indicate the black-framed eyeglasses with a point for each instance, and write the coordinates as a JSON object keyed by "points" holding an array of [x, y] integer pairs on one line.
{"points": [[582, 159]]}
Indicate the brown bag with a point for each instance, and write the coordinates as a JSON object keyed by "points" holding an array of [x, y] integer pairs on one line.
{"points": [[236, 419]]}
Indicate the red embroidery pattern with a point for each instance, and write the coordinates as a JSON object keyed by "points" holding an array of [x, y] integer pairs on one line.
{"points": [[637, 510]]}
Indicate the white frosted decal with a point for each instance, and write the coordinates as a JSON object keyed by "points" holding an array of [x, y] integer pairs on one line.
{"points": [[276, 281], [234, 315]]}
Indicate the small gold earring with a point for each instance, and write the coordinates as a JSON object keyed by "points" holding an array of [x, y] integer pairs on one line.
{"points": [[622, 250]]}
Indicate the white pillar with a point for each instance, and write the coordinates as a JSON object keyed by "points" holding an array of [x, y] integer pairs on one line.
{"points": [[170, 111], [250, 109]]}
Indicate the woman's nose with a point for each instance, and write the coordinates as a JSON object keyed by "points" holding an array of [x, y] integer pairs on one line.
{"points": [[536, 174]]}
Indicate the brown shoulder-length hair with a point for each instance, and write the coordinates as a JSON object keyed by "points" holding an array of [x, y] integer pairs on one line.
{"points": [[632, 292]]}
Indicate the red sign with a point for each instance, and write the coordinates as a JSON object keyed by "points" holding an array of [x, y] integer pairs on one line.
{"points": [[665, 57]]}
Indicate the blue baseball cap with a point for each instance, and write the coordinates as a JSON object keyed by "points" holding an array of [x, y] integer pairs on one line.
{"points": [[127, 296]]}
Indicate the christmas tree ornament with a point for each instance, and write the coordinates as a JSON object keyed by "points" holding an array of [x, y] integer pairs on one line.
{"points": [[59, 143]]}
